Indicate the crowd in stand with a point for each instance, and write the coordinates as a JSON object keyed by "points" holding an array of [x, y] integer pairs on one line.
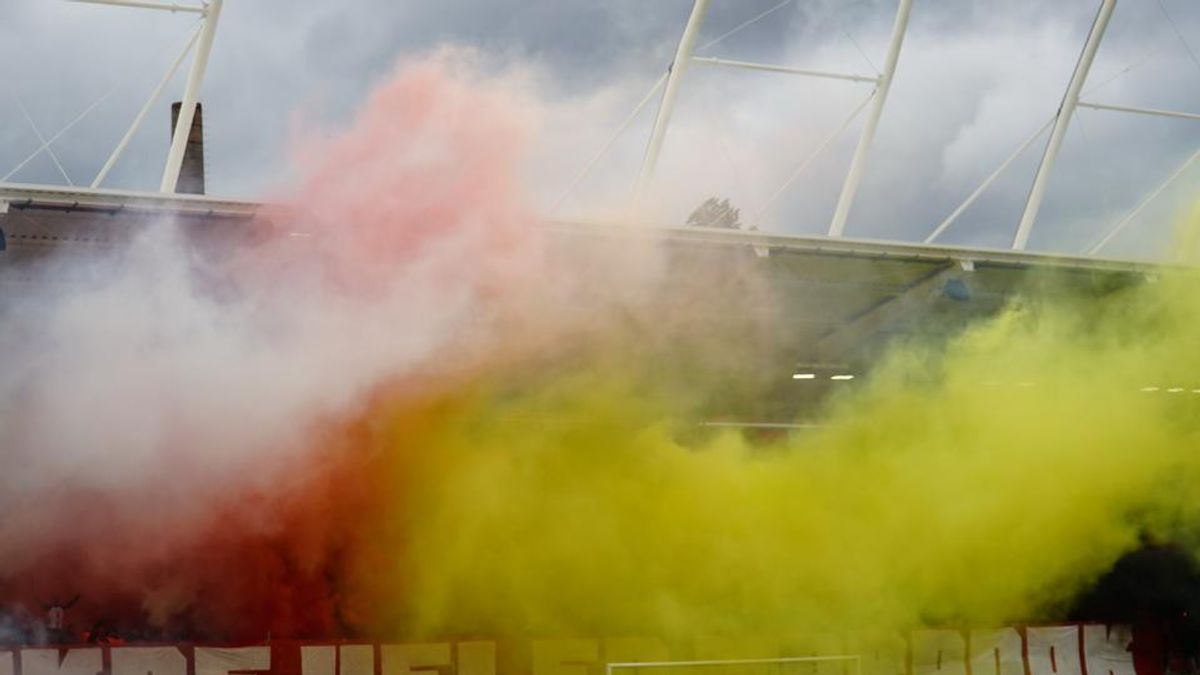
{"points": [[50, 624]]}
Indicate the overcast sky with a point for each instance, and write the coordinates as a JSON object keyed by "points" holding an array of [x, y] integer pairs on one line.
{"points": [[976, 78]]}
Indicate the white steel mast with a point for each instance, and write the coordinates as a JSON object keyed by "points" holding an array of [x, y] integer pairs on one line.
{"points": [[210, 12], [683, 57], [1061, 122], [187, 111], [854, 176]]}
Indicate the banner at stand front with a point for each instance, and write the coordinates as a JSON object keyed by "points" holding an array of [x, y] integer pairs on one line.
{"points": [[1090, 649]]}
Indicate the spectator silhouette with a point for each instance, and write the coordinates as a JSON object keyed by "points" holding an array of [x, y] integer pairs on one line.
{"points": [[57, 628]]}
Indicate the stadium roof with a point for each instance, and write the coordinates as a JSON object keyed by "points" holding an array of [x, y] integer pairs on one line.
{"points": [[843, 298]]}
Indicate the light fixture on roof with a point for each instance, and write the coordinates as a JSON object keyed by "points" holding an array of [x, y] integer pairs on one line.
{"points": [[804, 376], [1174, 390], [841, 377], [1149, 388]]}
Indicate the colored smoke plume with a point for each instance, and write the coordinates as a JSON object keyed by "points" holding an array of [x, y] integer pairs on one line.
{"points": [[426, 416], [945, 493], [178, 424]]}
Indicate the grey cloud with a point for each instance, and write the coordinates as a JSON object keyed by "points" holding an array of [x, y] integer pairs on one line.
{"points": [[975, 78]]}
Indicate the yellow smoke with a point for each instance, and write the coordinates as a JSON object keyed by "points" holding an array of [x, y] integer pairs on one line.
{"points": [[973, 483]]}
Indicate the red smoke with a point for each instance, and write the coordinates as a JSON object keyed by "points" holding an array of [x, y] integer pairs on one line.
{"points": [[427, 174], [420, 193]]}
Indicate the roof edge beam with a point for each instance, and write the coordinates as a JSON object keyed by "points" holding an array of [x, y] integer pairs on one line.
{"points": [[1140, 111], [148, 4], [833, 345], [749, 65]]}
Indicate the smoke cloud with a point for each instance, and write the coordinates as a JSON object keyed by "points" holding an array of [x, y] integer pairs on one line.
{"points": [[164, 419], [412, 411]]}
